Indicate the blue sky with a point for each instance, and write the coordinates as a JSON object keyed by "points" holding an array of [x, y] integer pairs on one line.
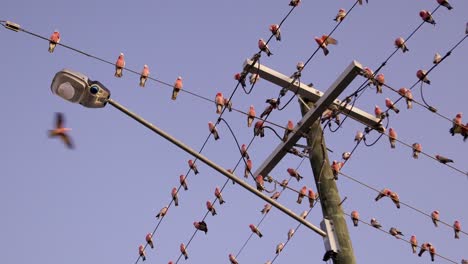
{"points": [[97, 202]]}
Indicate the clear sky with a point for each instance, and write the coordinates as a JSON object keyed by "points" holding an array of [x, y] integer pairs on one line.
{"points": [[95, 204]]}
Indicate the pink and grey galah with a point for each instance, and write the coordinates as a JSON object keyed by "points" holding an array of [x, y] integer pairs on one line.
{"points": [[213, 130], [421, 74], [359, 136], [408, 95], [395, 199], [385, 192], [378, 112], [193, 166], [251, 116], [54, 40], [219, 101], [259, 129], [183, 181], [183, 250], [435, 217], [141, 252], [457, 229], [311, 197], [304, 214], [390, 105], [275, 195], [400, 43], [228, 104], [266, 209], [355, 217], [294, 3], [244, 152], [61, 131], [162, 212], [341, 15], [302, 193], [457, 126], [260, 183], [432, 252], [119, 65], [144, 75], [368, 73], [178, 85], [392, 136], [288, 130], [276, 31], [324, 41], [264, 47], [427, 17], [395, 232], [248, 168], [201, 226], [294, 173], [267, 111], [240, 78], [437, 58], [443, 160], [336, 168], [284, 183], [149, 240], [445, 3], [233, 259], [375, 223], [417, 148], [360, 2], [255, 230], [219, 195], [424, 248], [210, 208], [253, 78], [291, 233], [279, 248], [414, 243], [379, 81], [346, 155], [175, 196]]}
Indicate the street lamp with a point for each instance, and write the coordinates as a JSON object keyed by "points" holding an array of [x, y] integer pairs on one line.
{"points": [[75, 87]]}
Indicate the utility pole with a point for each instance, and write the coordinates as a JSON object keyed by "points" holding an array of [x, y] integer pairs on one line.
{"points": [[337, 243]]}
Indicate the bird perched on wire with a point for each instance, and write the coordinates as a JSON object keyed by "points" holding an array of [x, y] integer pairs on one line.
{"points": [[276, 31], [437, 58], [457, 229], [201, 226], [144, 75], [266, 209], [435, 217], [427, 17], [408, 95], [219, 101], [414, 243], [401, 44], [61, 131], [294, 173], [355, 217], [324, 41], [233, 259], [213, 130], [193, 166], [443, 160], [255, 230], [149, 240], [294, 3], [183, 250], [375, 223], [390, 105], [119, 65], [251, 116], [392, 135], [240, 78], [312, 196], [264, 47], [54, 40], [395, 199], [219, 195], [417, 148], [183, 181], [288, 130], [395, 232], [175, 196], [141, 252], [162, 212], [341, 15], [259, 129], [178, 85], [445, 3]]}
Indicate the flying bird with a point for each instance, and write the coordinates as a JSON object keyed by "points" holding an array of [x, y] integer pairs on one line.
{"points": [[392, 135], [175, 197], [341, 15], [219, 195], [61, 131], [435, 217], [443, 159], [178, 85], [119, 65], [183, 181], [162, 212], [219, 101], [400, 43], [213, 130], [445, 3], [149, 240], [355, 217], [375, 223], [251, 116], [193, 166], [264, 47], [255, 230], [54, 40], [390, 105], [201, 226], [183, 250], [437, 58], [336, 168], [324, 41], [417, 148], [427, 17], [276, 31], [141, 252], [421, 74]]}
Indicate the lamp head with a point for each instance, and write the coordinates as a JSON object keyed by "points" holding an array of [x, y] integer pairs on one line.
{"points": [[75, 87]]}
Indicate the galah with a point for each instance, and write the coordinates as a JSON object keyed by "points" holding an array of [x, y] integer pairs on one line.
{"points": [[193, 166], [346, 155], [213, 130], [230, 171], [421, 74], [241, 79], [275, 195], [355, 217], [417, 148], [183, 250], [228, 104], [457, 125], [336, 168], [414, 243], [341, 15], [457, 229], [379, 81], [300, 66], [253, 78], [183, 181], [233, 259], [258, 129], [210, 208], [144, 75], [390, 105], [119, 65], [54, 40], [378, 112], [248, 168], [276, 31], [401, 44], [360, 2], [294, 173], [251, 116], [359, 136], [177, 87], [432, 252], [61, 131], [435, 217], [255, 230], [294, 3], [175, 196], [291, 233], [273, 102], [266, 209], [149, 240], [437, 58], [267, 111], [408, 95], [384, 192], [162, 212], [445, 3], [311, 196], [427, 17], [219, 195], [395, 232], [368, 73], [284, 183], [141, 251], [244, 152], [264, 47], [302, 193], [304, 214], [395, 199], [443, 159], [288, 130], [219, 101], [375, 223], [392, 135], [201, 226], [279, 248], [424, 248], [324, 41], [260, 183]]}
